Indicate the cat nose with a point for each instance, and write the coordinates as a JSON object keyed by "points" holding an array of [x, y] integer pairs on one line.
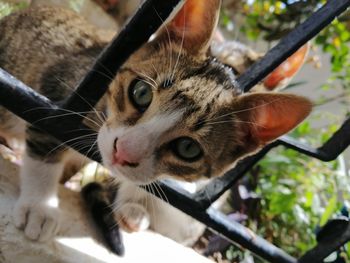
{"points": [[123, 156]]}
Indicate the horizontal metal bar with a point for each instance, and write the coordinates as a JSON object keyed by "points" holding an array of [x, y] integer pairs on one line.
{"points": [[148, 18], [329, 151], [291, 43], [303, 148], [44, 114], [22, 100]]}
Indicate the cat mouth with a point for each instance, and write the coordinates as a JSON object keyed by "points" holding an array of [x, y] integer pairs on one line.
{"points": [[116, 162]]}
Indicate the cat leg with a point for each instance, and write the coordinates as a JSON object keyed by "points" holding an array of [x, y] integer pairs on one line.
{"points": [[129, 207], [137, 210], [36, 211], [133, 217]]}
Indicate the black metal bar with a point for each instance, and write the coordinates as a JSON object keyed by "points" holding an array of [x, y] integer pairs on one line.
{"points": [[211, 192], [44, 114], [292, 42], [244, 237], [232, 230], [22, 100], [339, 141], [336, 237], [148, 18], [294, 144]]}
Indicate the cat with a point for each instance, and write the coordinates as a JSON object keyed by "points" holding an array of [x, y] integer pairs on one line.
{"points": [[173, 110], [136, 210]]}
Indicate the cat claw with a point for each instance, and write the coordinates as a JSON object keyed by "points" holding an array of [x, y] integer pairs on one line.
{"points": [[39, 222], [133, 217]]}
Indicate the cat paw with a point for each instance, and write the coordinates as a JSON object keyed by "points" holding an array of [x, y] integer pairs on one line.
{"points": [[40, 222], [133, 217]]}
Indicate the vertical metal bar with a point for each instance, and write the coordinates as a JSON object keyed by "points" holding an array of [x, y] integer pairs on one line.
{"points": [[339, 141], [148, 18]]}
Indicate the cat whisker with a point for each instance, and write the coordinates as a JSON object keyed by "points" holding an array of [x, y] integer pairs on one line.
{"points": [[65, 110], [82, 129], [75, 92], [145, 200], [47, 108], [66, 114], [71, 140], [239, 111], [96, 152], [154, 86], [103, 74], [120, 217], [165, 199], [170, 44], [153, 204], [155, 70], [86, 144], [101, 64], [235, 121], [85, 156], [181, 47], [78, 146], [147, 77]]}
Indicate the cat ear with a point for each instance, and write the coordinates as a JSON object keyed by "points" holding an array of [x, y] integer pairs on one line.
{"points": [[193, 26], [270, 115], [282, 75]]}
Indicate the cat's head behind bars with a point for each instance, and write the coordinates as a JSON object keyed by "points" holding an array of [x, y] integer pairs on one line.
{"points": [[173, 110]]}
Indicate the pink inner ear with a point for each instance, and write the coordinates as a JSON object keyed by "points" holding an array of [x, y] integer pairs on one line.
{"points": [[280, 115], [194, 24], [287, 69], [190, 16]]}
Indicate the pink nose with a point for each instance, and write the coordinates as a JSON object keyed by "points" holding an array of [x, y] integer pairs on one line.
{"points": [[123, 156]]}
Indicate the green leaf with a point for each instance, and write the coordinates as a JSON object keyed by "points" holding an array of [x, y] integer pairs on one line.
{"points": [[330, 210]]}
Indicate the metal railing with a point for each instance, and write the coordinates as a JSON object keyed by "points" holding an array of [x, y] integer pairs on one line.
{"points": [[21, 100]]}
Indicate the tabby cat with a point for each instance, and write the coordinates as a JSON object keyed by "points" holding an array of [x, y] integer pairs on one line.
{"points": [[172, 110]]}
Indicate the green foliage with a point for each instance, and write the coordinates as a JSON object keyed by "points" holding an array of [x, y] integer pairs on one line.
{"points": [[6, 7], [298, 194], [335, 40]]}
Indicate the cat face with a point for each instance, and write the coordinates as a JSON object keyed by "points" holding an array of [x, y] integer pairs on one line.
{"points": [[173, 110]]}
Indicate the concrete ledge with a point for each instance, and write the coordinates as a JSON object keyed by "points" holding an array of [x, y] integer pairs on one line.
{"points": [[77, 241]]}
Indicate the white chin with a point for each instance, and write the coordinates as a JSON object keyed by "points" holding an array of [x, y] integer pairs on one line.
{"points": [[122, 174]]}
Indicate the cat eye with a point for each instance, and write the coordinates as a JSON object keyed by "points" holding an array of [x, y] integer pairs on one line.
{"points": [[140, 94], [187, 149]]}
